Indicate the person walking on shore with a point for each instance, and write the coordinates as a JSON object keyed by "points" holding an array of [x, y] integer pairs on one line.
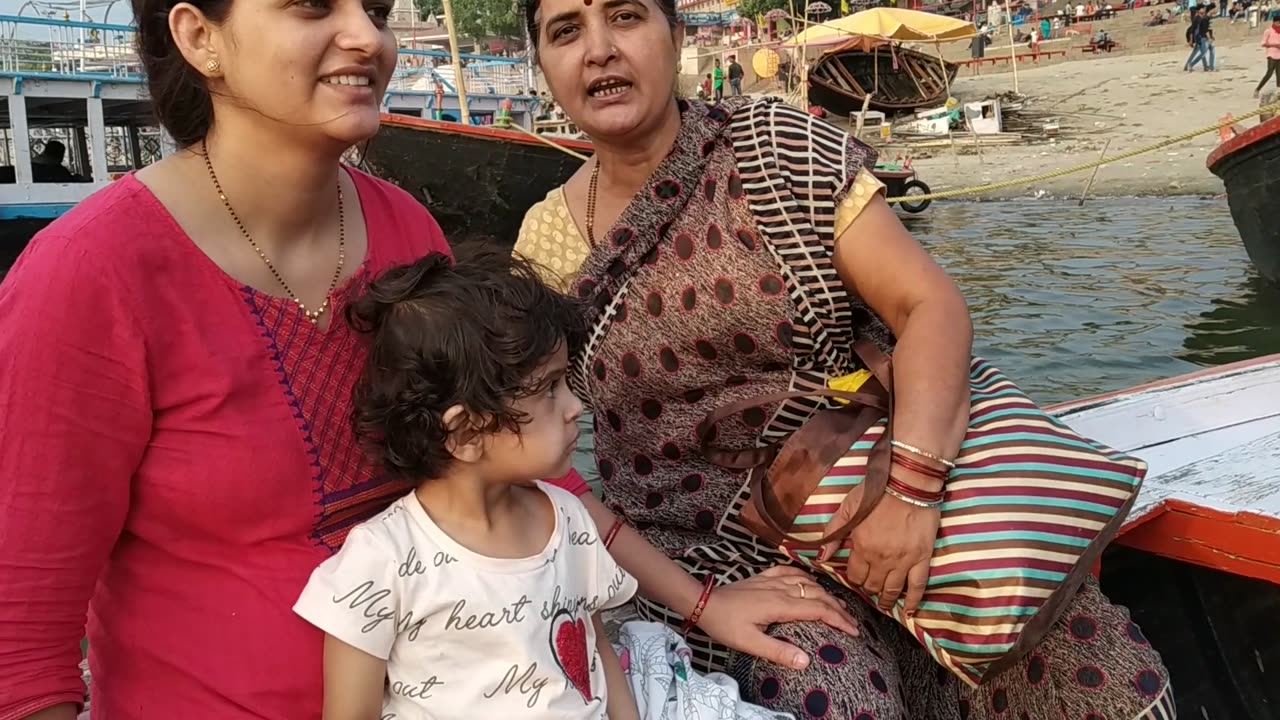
{"points": [[718, 84], [1271, 45], [1200, 38], [735, 75]]}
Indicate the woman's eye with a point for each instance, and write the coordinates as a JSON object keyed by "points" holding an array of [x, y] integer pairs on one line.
{"points": [[563, 32], [380, 13], [314, 4]]}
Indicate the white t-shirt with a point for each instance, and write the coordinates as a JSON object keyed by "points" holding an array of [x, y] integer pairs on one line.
{"points": [[467, 636]]}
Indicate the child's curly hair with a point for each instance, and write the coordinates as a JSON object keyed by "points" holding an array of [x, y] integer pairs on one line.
{"points": [[468, 332]]}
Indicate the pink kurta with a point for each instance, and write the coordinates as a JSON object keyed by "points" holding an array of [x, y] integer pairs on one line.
{"points": [[176, 457]]}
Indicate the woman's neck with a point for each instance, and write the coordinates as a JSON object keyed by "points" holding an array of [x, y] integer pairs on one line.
{"points": [[629, 163], [284, 190]]}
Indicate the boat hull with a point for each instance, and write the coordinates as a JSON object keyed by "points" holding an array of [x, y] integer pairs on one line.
{"points": [[477, 182], [1198, 564], [1249, 166], [899, 80]]}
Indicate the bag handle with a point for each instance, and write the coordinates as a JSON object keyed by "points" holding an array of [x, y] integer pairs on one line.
{"points": [[799, 463]]}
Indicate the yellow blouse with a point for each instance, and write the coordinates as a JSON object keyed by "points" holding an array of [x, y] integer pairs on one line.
{"points": [[550, 237]]}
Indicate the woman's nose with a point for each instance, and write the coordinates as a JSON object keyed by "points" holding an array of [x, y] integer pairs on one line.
{"points": [[600, 46]]}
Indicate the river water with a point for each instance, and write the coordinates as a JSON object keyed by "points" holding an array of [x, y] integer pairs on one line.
{"points": [[1072, 302]]}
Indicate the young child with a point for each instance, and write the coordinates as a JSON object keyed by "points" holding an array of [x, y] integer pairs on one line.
{"points": [[478, 595]]}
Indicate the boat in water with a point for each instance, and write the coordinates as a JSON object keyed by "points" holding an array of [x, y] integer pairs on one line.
{"points": [[1198, 563], [898, 79], [1249, 166], [478, 182]]}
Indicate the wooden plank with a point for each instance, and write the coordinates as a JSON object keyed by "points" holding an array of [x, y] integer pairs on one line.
{"points": [[854, 86], [1160, 415], [1245, 478]]}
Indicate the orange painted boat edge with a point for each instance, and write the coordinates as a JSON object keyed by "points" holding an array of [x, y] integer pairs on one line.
{"points": [[1248, 137], [1240, 544], [478, 131]]}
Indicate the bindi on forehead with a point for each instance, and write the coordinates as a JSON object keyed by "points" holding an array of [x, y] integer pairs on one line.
{"points": [[586, 3]]}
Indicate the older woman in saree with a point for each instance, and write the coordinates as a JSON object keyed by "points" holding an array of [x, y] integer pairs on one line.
{"points": [[738, 250]]}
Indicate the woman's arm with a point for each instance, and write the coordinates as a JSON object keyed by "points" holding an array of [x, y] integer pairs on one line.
{"points": [[75, 418], [879, 261], [353, 682], [620, 704]]}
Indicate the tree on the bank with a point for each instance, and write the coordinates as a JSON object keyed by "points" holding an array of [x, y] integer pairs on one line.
{"points": [[478, 18], [753, 9]]}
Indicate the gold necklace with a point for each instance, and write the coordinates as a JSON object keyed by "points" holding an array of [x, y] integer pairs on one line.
{"points": [[591, 204], [312, 315]]}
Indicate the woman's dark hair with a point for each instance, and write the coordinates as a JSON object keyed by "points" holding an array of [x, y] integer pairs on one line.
{"points": [[530, 10], [179, 94], [469, 332]]}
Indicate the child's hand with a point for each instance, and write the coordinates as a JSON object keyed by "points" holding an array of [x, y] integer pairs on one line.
{"points": [[619, 702]]}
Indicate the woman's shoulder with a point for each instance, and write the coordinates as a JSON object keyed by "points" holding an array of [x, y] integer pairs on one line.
{"points": [[792, 128], [815, 160], [111, 233], [403, 227], [544, 211], [549, 237]]}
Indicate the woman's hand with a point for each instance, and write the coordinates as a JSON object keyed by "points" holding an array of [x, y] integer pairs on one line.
{"points": [[737, 614], [889, 551]]}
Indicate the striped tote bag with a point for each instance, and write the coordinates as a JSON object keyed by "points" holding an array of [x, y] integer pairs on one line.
{"points": [[1027, 511]]}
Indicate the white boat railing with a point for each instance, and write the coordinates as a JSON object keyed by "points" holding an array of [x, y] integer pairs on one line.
{"points": [[48, 48], [419, 70]]}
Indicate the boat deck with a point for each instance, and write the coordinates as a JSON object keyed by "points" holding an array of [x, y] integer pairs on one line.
{"points": [[1212, 441]]}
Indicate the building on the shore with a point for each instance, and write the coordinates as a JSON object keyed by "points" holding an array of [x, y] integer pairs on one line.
{"points": [[708, 21]]}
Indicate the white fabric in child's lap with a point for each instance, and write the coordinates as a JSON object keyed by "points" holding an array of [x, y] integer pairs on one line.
{"points": [[467, 636], [656, 661]]}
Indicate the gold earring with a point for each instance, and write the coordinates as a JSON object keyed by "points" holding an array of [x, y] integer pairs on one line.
{"points": [[213, 66]]}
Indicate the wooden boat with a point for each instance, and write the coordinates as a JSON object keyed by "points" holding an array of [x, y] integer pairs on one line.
{"points": [[1199, 561], [1249, 165], [477, 181], [899, 80]]}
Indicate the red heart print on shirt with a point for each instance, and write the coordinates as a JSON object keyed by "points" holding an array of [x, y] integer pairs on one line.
{"points": [[569, 646]]}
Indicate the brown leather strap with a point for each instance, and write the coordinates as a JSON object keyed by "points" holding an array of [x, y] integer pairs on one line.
{"points": [[764, 455], [785, 476], [802, 463]]}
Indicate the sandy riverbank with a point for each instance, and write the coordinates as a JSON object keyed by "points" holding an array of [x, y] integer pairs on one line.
{"points": [[1138, 100]]}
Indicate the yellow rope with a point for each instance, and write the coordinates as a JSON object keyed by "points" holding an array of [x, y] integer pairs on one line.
{"points": [[1004, 184], [517, 126]]}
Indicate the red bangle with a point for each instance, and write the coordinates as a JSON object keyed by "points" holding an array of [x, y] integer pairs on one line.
{"points": [[696, 615], [909, 463], [914, 492], [613, 533]]}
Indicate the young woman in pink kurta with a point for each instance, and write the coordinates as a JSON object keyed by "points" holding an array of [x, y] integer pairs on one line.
{"points": [[176, 454]]}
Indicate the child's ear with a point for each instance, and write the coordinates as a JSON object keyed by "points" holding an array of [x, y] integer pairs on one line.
{"points": [[463, 443]]}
